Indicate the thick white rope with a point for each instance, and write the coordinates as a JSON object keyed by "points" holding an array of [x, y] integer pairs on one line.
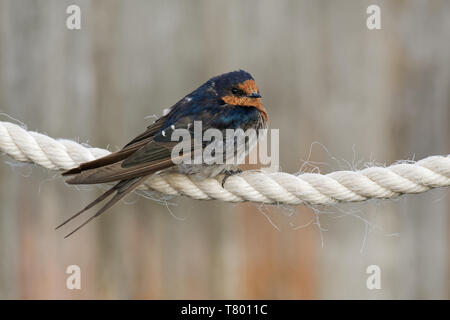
{"points": [[255, 186]]}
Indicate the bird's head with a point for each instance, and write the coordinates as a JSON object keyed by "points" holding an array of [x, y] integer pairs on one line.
{"points": [[237, 88]]}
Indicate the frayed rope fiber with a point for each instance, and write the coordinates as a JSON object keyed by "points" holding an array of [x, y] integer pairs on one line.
{"points": [[254, 186]]}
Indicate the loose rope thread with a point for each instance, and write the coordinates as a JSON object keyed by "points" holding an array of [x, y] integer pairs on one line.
{"points": [[255, 186]]}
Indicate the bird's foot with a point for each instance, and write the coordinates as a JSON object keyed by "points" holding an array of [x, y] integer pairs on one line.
{"points": [[229, 173]]}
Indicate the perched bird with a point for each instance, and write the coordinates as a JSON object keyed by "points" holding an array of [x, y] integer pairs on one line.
{"points": [[228, 101]]}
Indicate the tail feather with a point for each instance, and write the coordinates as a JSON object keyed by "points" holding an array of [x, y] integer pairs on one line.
{"points": [[122, 189]]}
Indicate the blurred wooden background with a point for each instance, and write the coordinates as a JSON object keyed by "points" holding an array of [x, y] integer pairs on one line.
{"points": [[332, 87]]}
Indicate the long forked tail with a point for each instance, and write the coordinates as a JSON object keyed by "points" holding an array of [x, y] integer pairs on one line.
{"points": [[122, 188]]}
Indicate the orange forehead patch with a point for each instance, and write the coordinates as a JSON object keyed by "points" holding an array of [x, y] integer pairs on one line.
{"points": [[248, 86]]}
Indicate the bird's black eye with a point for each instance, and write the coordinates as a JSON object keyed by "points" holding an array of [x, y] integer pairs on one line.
{"points": [[237, 91]]}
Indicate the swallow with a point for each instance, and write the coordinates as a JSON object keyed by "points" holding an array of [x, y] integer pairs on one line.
{"points": [[228, 101]]}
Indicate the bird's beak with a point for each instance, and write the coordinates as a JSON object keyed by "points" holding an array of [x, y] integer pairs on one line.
{"points": [[254, 95]]}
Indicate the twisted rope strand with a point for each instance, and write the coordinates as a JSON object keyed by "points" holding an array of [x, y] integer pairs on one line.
{"points": [[255, 186]]}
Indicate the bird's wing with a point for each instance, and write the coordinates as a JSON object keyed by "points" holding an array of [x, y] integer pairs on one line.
{"points": [[153, 156], [126, 151]]}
